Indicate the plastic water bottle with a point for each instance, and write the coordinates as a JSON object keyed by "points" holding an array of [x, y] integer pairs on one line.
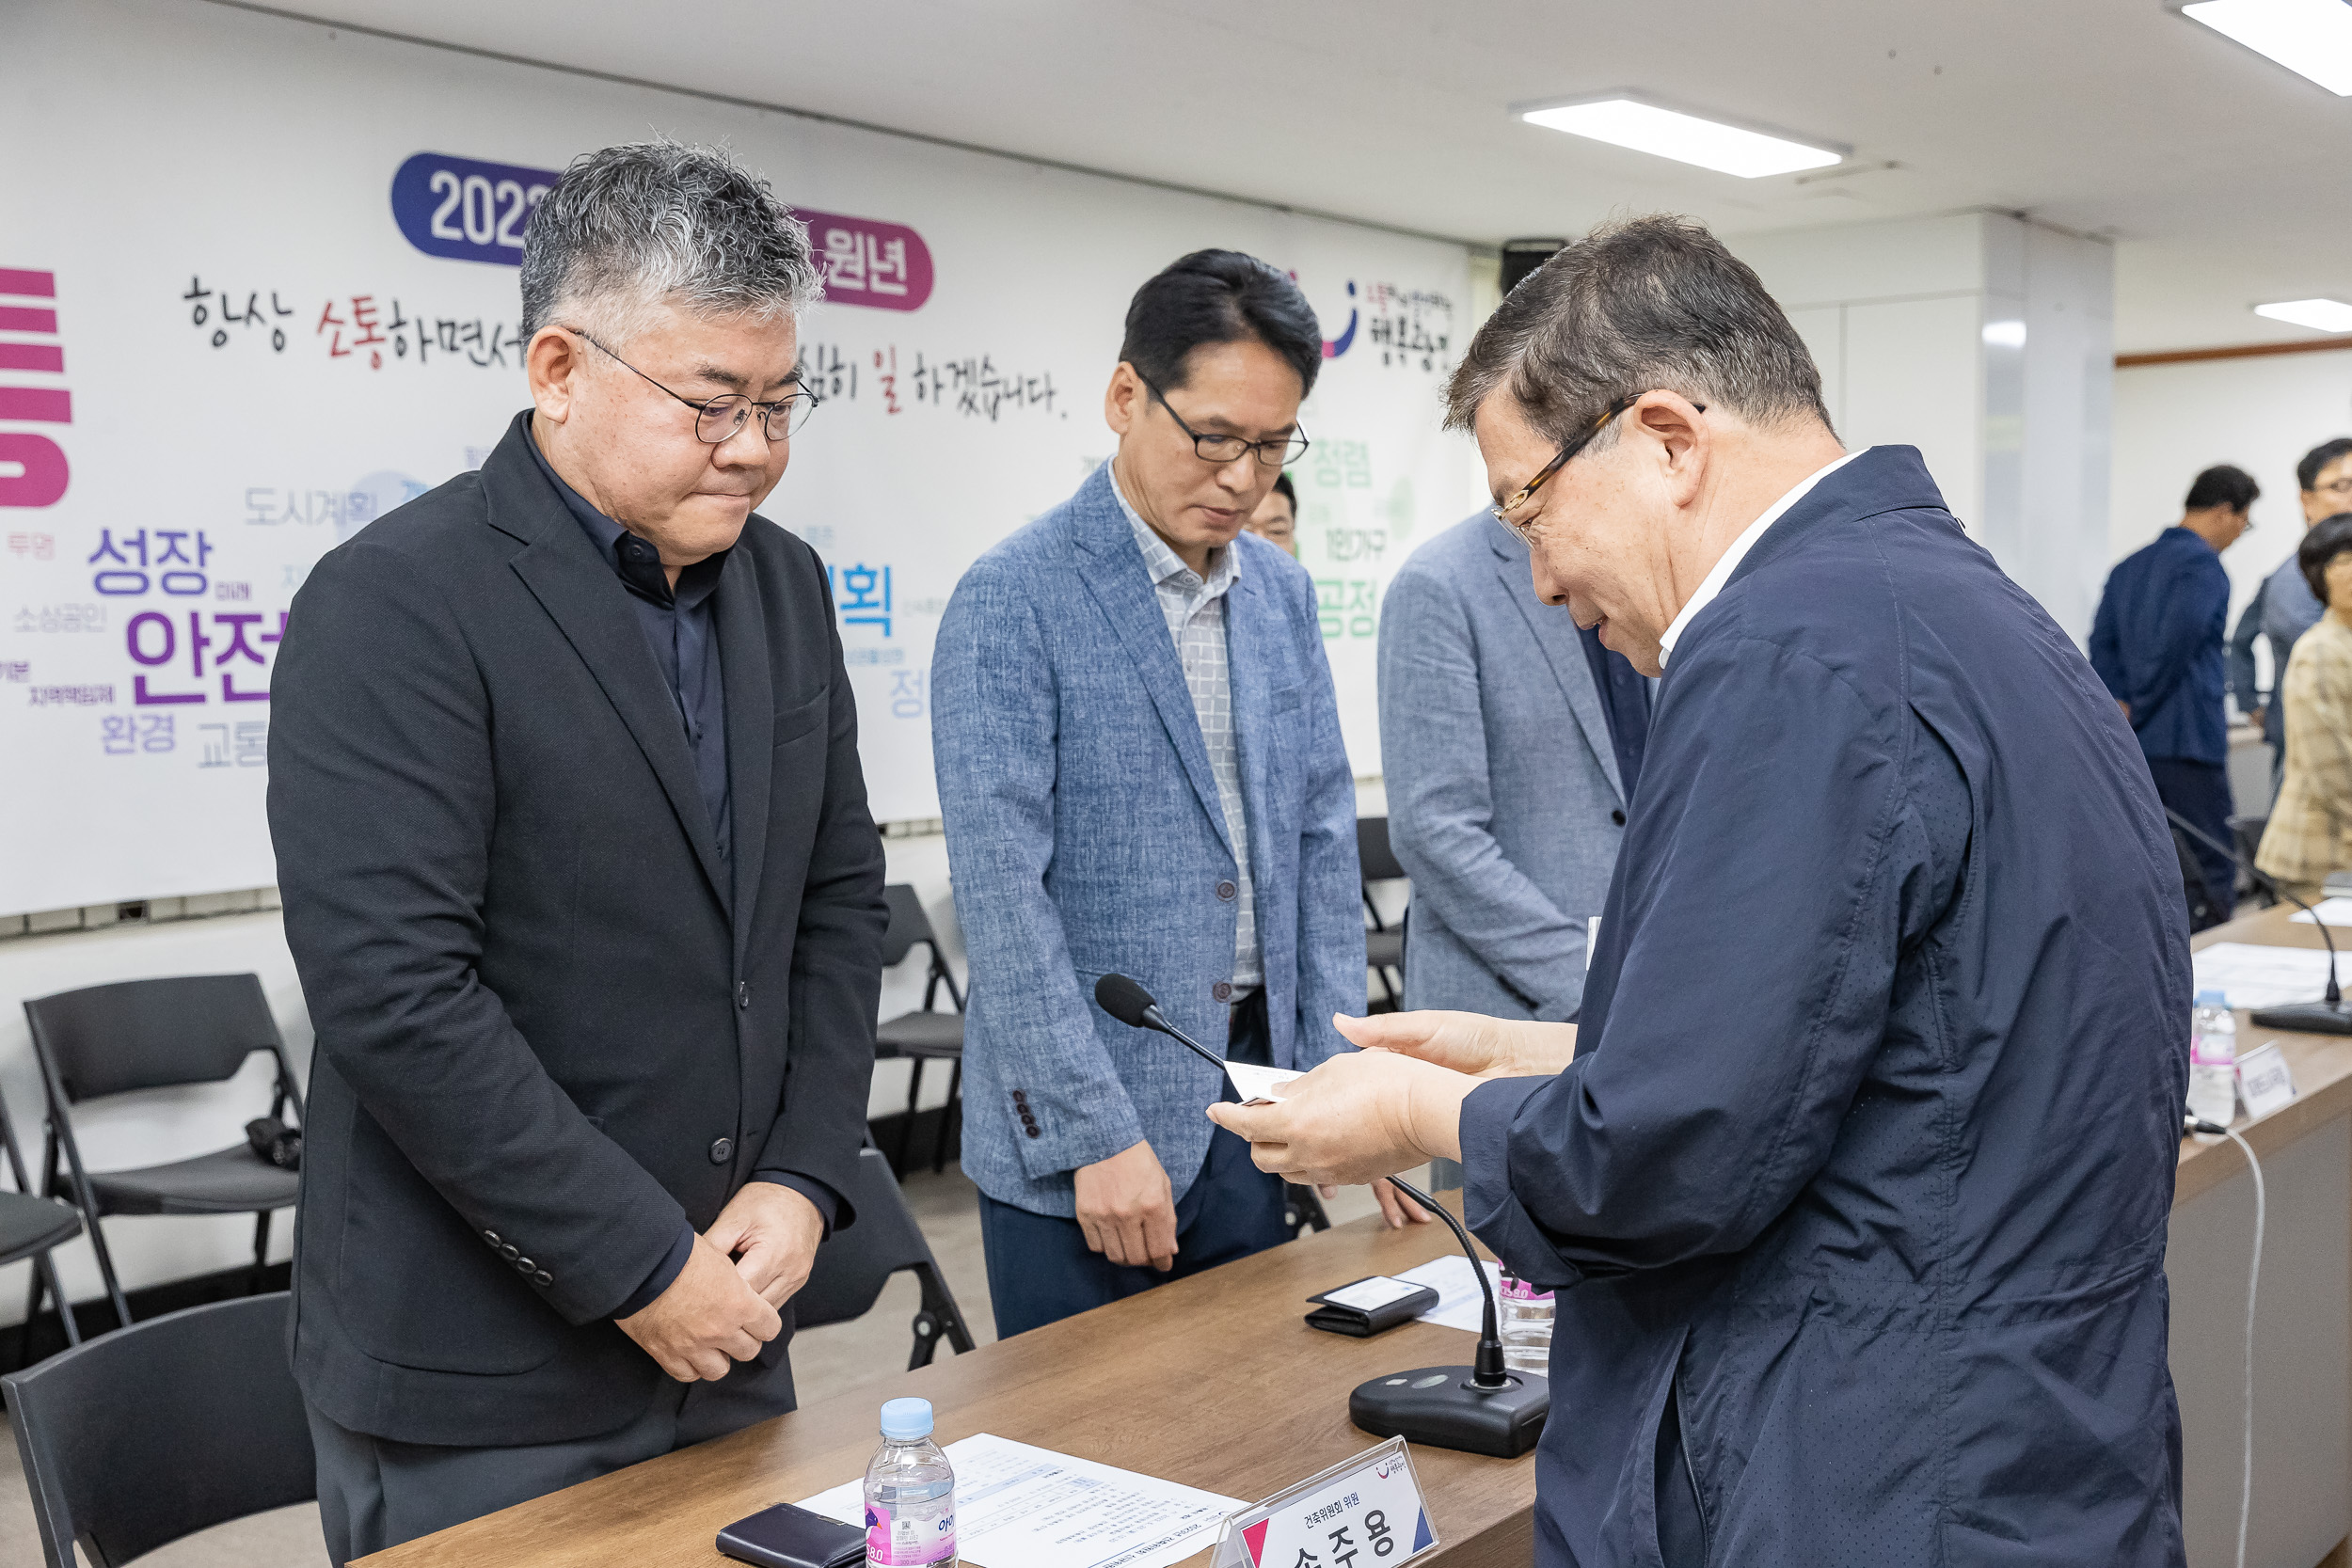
{"points": [[1526, 1324], [909, 1493], [2213, 1060]]}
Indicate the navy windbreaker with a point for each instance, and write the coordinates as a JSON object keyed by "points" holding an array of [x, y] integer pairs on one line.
{"points": [[1867, 1153]]}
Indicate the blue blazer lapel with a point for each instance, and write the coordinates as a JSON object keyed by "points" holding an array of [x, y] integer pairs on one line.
{"points": [[1112, 568], [742, 633], [1554, 630]]}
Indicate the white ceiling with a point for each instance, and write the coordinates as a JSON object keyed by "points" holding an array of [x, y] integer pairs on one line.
{"points": [[2219, 175]]}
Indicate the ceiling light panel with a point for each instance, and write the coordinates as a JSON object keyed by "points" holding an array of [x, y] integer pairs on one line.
{"points": [[1623, 121], [2311, 38], [2324, 315]]}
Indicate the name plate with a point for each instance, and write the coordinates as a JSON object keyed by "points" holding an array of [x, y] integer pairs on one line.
{"points": [[1361, 1511], [2264, 1081]]}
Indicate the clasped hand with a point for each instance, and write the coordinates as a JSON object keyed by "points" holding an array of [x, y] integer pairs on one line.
{"points": [[724, 1305], [1397, 1101]]}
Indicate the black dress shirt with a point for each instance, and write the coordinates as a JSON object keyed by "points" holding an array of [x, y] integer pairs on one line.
{"points": [[677, 625]]}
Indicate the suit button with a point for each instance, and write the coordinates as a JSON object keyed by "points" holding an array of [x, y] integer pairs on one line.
{"points": [[543, 1277], [510, 1252], [1618, 817], [492, 1237], [1033, 1131], [1222, 991], [721, 1150], [1020, 1097], [524, 1265], [1226, 890], [742, 993]]}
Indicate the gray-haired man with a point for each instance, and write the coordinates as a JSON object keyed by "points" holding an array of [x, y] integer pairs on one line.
{"points": [[584, 890]]}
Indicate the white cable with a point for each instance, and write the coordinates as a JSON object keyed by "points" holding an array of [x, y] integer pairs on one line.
{"points": [[2253, 1278]]}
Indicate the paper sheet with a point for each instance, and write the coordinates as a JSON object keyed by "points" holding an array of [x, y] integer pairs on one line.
{"points": [[1254, 1084], [1368, 1295], [1459, 1303], [2263, 977], [1023, 1507], [2337, 912]]}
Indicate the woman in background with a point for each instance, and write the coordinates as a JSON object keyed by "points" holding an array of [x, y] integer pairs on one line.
{"points": [[2310, 833]]}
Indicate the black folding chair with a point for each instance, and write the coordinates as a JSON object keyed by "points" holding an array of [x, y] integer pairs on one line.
{"points": [[30, 1226], [2246, 836], [1384, 945], [853, 1265], [149, 1034], [924, 1037], [156, 1432]]}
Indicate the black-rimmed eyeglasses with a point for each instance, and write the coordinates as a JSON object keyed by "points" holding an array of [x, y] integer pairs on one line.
{"points": [[1221, 450], [717, 419]]}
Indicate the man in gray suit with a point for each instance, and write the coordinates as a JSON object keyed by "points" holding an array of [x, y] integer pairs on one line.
{"points": [[1508, 790]]}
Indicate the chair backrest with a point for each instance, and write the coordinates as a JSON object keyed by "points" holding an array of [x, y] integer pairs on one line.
{"points": [[153, 1033], [909, 926], [854, 1264], [162, 1429], [1378, 861]]}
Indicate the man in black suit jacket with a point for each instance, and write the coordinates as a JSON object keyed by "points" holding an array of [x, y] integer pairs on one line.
{"points": [[582, 887]]}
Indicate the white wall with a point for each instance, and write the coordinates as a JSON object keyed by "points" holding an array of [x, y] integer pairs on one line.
{"points": [[2263, 415], [1987, 342]]}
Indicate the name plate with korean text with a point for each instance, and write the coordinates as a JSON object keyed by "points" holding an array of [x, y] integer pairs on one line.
{"points": [[2264, 1081], [1362, 1512]]}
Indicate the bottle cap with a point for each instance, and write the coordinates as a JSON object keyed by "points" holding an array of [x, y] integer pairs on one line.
{"points": [[904, 1419], [2213, 998]]}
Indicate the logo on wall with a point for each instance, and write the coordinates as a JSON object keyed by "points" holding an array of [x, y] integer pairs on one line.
{"points": [[33, 470], [466, 209]]}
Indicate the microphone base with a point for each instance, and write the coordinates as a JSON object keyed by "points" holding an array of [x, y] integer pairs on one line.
{"points": [[2306, 1018], [1453, 1412]]}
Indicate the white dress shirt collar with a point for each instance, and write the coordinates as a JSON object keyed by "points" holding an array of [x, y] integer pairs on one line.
{"points": [[1165, 565], [1713, 582]]}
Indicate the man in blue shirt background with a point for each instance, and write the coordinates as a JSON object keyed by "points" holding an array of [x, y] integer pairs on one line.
{"points": [[2157, 643]]}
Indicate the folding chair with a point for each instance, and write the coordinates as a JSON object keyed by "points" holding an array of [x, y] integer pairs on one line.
{"points": [[159, 1034], [1384, 945], [160, 1429], [924, 1037], [853, 1265], [30, 1226]]}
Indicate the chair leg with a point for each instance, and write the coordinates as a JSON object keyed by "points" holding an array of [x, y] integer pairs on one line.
{"points": [[1389, 989], [106, 1270], [906, 1126], [950, 1113], [32, 1310], [261, 1252], [47, 1266]]}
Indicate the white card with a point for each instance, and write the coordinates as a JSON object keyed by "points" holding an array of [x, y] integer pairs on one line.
{"points": [[1368, 1295], [1257, 1086], [2264, 1080]]}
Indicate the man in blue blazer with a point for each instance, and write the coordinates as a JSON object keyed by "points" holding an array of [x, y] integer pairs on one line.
{"points": [[1511, 742], [1141, 772]]}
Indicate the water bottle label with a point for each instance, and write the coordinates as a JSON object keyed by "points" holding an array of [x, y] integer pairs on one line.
{"points": [[909, 1540], [1516, 1289]]}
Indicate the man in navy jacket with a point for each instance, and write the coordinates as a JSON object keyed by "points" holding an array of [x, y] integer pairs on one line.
{"points": [[2158, 644], [1852, 1179]]}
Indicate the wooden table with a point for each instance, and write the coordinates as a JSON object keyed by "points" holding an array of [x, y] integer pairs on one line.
{"points": [[2303, 1356], [1213, 1381]]}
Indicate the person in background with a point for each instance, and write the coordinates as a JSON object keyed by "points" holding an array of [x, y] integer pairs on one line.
{"points": [[2283, 608], [2310, 833], [1141, 772], [2157, 643], [1511, 742], [582, 888], [1276, 521]]}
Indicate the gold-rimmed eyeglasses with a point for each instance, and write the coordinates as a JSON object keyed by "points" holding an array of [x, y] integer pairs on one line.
{"points": [[1526, 493], [717, 419]]}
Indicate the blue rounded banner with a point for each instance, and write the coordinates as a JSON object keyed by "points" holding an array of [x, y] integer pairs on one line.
{"points": [[467, 210]]}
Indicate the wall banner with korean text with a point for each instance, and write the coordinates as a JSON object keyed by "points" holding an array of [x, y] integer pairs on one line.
{"points": [[258, 286]]}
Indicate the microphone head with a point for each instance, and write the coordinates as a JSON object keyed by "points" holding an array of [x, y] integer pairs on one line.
{"points": [[1124, 1000]]}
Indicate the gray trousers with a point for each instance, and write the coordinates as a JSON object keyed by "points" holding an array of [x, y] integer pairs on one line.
{"points": [[375, 1493]]}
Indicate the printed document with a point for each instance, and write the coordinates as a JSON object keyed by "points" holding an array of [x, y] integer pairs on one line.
{"points": [[1460, 1305], [1023, 1507], [2264, 976]]}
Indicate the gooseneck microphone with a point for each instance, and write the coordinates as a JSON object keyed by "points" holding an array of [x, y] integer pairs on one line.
{"points": [[1492, 1410], [2326, 1017]]}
